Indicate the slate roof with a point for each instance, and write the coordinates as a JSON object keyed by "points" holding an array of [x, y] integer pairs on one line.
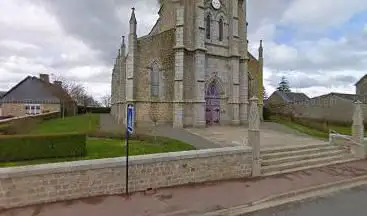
{"points": [[361, 79], [33, 89], [291, 97], [352, 97], [2, 93]]}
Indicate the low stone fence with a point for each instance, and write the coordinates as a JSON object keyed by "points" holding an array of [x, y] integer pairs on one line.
{"points": [[357, 149], [21, 186], [39, 116], [340, 140]]}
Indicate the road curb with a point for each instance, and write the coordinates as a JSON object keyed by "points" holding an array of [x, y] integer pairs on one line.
{"points": [[289, 197]]}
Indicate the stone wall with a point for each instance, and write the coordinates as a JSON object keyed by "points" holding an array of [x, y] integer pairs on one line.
{"points": [[20, 186], [167, 18], [18, 109], [156, 48], [13, 109], [361, 87], [326, 108]]}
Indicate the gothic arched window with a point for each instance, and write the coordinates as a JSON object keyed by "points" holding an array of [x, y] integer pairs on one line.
{"points": [[154, 76], [208, 22], [220, 29]]}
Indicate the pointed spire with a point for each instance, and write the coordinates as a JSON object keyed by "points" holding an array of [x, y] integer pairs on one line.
{"points": [[133, 18], [123, 41], [133, 22], [123, 47], [261, 49]]}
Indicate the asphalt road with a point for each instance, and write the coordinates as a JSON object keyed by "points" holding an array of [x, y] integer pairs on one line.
{"points": [[351, 202]]}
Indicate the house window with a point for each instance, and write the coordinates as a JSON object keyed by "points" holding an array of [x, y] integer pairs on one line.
{"points": [[220, 29], [32, 109], [155, 80], [208, 22]]}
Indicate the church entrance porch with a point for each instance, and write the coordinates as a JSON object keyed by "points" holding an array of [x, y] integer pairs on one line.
{"points": [[212, 109]]}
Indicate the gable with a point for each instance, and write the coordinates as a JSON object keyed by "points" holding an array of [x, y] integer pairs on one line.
{"points": [[2, 94], [30, 90], [253, 66], [361, 80]]}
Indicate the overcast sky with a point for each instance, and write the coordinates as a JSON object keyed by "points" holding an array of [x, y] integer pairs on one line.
{"points": [[319, 45]]}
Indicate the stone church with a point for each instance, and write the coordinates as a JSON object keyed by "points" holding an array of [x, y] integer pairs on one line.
{"points": [[192, 70]]}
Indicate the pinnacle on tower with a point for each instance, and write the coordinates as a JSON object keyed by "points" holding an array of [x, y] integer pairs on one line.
{"points": [[261, 49], [133, 22], [123, 41], [133, 18], [123, 46]]}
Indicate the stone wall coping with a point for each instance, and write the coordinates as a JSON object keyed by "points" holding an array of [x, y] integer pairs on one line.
{"points": [[339, 135], [85, 165], [27, 116]]}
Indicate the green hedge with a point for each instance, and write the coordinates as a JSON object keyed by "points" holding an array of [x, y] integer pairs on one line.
{"points": [[121, 135], [30, 147], [83, 110]]}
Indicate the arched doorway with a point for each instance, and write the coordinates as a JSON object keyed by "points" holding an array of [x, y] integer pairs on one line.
{"points": [[212, 98]]}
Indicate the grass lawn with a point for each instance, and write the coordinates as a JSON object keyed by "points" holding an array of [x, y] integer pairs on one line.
{"points": [[347, 130], [306, 130], [99, 148], [80, 123], [109, 148]]}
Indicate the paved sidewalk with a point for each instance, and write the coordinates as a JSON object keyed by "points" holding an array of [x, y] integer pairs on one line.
{"points": [[196, 199]]}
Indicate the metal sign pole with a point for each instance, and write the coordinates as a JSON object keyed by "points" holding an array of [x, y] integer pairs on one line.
{"points": [[127, 163], [129, 130]]}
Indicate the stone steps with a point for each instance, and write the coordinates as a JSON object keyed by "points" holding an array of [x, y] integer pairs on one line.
{"points": [[294, 148], [296, 151], [296, 158], [301, 157]]}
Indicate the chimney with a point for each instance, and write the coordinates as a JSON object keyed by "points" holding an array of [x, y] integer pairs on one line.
{"points": [[45, 78], [58, 83]]}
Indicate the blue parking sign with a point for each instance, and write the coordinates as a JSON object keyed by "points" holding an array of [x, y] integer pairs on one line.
{"points": [[130, 118]]}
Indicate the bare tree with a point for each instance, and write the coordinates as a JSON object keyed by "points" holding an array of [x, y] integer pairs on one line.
{"points": [[106, 100], [154, 116], [77, 91]]}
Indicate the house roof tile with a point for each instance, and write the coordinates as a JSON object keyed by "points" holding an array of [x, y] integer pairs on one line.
{"points": [[290, 97]]}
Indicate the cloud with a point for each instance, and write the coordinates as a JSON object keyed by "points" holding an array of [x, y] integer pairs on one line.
{"points": [[319, 45], [101, 24], [320, 14]]}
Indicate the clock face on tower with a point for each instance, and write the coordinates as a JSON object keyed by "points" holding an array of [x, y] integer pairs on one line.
{"points": [[216, 4]]}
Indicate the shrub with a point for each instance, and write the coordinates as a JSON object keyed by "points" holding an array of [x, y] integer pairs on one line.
{"points": [[122, 135], [29, 147], [266, 113], [82, 110], [21, 126]]}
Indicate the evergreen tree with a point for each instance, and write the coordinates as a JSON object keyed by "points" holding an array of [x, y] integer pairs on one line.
{"points": [[265, 95], [284, 85]]}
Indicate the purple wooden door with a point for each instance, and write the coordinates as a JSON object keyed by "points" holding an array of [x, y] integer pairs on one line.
{"points": [[212, 110]]}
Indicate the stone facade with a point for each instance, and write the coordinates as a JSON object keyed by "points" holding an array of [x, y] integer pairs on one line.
{"points": [[191, 48], [20, 186], [18, 109]]}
